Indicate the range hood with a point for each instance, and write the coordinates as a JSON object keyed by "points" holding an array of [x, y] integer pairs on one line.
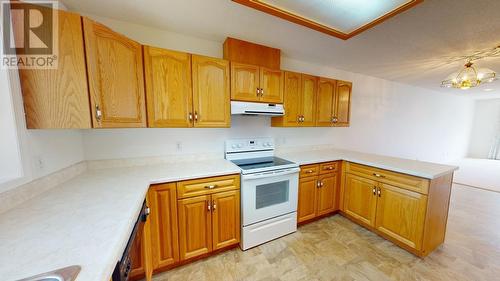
{"points": [[256, 108]]}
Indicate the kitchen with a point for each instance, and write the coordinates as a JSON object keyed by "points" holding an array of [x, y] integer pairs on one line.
{"points": [[159, 152]]}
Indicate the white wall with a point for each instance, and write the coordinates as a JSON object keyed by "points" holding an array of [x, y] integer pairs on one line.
{"points": [[485, 128], [42, 151], [387, 118]]}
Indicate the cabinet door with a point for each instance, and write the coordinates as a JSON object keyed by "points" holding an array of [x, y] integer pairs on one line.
{"points": [[271, 83], [137, 257], [307, 198], [360, 200], [343, 103], [168, 88], [116, 80], [401, 214], [308, 99], [225, 219], [163, 225], [292, 98], [325, 102], [327, 193], [244, 82], [195, 226], [58, 98], [211, 92]]}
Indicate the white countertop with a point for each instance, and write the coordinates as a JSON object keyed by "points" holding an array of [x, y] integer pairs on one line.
{"points": [[86, 221], [411, 167]]}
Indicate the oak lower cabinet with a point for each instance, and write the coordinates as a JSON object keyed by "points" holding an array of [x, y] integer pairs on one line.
{"points": [[164, 225], [115, 76], [318, 191], [209, 215], [360, 200], [256, 84], [401, 214], [299, 101], [410, 211]]}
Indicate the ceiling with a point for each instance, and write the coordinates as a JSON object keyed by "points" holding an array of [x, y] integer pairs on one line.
{"points": [[418, 47], [339, 18]]}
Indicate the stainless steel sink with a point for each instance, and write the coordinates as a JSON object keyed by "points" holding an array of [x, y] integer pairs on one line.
{"points": [[63, 274]]}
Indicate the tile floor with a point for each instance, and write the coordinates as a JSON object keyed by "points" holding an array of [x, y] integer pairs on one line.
{"points": [[334, 248]]}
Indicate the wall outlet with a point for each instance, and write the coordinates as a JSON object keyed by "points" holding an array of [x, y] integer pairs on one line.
{"points": [[39, 163]]}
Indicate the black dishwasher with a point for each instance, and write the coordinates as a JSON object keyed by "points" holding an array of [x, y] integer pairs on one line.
{"points": [[123, 267]]}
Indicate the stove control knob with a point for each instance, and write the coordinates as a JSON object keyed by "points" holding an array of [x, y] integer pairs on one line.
{"points": [[268, 144], [233, 146], [240, 145]]}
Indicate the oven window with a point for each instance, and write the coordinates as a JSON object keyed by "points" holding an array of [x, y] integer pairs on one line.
{"points": [[271, 194]]}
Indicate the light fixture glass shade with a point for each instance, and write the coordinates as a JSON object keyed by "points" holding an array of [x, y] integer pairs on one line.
{"points": [[469, 77]]}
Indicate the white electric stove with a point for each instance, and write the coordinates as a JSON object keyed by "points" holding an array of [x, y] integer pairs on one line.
{"points": [[269, 190]]}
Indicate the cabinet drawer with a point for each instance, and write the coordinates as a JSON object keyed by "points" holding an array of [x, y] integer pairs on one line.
{"points": [[309, 170], [328, 167], [205, 186], [408, 182]]}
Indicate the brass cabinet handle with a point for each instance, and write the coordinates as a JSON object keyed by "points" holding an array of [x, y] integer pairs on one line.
{"points": [[190, 116], [374, 190], [378, 175], [261, 91], [335, 119], [299, 119], [208, 206], [214, 206], [321, 183], [328, 168], [379, 192], [309, 171], [195, 116], [317, 184], [210, 186]]}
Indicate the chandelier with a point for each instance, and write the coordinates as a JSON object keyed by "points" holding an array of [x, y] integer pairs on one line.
{"points": [[470, 76]]}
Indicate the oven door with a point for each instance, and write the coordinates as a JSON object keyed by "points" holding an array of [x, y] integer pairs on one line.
{"points": [[269, 194]]}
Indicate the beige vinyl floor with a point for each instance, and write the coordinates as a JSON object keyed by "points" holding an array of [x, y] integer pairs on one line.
{"points": [[334, 248]]}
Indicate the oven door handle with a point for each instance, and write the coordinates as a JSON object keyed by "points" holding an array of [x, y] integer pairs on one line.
{"points": [[270, 174]]}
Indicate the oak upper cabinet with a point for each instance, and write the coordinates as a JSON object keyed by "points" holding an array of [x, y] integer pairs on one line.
{"points": [[326, 98], [186, 90], [343, 104], [245, 82], [334, 103], [211, 92], [163, 222], [291, 101], [309, 86], [318, 190], [256, 84], [360, 199], [58, 98], [299, 101], [225, 219], [168, 88], [401, 214], [271, 85], [115, 75]]}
